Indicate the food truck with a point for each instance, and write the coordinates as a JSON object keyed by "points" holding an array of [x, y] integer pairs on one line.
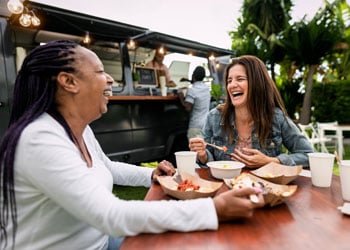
{"points": [[141, 125]]}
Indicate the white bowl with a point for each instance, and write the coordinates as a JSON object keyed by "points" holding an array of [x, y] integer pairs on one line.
{"points": [[225, 169]]}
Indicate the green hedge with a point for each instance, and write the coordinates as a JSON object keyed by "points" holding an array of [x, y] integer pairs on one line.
{"points": [[291, 97], [331, 101]]}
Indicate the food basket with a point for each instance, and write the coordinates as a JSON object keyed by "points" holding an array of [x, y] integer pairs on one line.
{"points": [[170, 185], [274, 194], [278, 173]]}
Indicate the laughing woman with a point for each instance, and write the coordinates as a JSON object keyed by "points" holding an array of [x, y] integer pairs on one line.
{"points": [[253, 123], [56, 182]]}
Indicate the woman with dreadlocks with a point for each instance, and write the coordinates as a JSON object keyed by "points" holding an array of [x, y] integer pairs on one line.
{"points": [[56, 183]]}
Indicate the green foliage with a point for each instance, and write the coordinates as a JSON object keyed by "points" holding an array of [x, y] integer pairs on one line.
{"points": [[339, 64], [306, 43], [332, 101], [216, 91], [291, 97], [135, 76], [259, 28]]}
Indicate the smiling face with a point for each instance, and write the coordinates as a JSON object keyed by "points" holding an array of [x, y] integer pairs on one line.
{"points": [[94, 85], [237, 85]]}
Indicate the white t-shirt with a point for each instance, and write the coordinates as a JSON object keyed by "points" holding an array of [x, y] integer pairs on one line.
{"points": [[199, 96], [63, 204]]}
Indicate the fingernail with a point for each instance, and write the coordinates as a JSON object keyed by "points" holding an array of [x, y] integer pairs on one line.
{"points": [[258, 190], [254, 198]]}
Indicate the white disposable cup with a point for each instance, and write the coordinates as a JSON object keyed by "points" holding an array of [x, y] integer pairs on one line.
{"points": [[162, 81], [186, 162], [321, 167], [164, 91], [344, 167]]}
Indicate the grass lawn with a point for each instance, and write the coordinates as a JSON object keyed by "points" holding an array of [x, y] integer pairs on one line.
{"points": [[130, 193], [346, 157], [138, 193]]}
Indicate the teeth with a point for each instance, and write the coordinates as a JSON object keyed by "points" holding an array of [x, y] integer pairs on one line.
{"points": [[107, 92], [237, 94]]}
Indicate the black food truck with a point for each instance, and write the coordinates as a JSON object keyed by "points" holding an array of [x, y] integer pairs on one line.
{"points": [[141, 125]]}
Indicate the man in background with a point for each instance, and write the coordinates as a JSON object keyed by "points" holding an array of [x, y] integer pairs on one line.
{"points": [[162, 69], [197, 102]]}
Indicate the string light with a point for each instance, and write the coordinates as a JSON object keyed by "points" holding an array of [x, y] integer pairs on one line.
{"points": [[87, 38], [25, 19], [131, 44], [35, 20], [29, 18], [15, 6], [161, 50]]}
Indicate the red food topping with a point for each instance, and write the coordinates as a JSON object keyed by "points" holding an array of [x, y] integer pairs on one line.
{"points": [[187, 184], [224, 148]]}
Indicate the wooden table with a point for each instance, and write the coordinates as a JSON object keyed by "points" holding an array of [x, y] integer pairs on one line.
{"points": [[308, 220]]}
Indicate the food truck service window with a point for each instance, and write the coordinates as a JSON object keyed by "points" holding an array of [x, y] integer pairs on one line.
{"points": [[147, 77]]}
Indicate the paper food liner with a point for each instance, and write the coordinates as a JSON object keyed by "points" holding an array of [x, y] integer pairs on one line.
{"points": [[278, 173], [276, 193], [169, 185]]}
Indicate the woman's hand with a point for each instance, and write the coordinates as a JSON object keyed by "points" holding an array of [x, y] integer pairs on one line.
{"points": [[235, 204], [198, 145], [164, 168], [252, 158]]}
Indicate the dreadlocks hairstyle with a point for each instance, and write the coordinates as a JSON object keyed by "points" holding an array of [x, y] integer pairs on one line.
{"points": [[263, 98], [34, 94]]}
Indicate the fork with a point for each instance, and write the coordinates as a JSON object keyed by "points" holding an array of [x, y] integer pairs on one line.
{"points": [[223, 148]]}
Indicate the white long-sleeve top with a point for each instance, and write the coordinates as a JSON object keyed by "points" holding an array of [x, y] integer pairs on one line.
{"points": [[63, 204]]}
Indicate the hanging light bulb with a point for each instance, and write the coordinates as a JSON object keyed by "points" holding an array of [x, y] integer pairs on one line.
{"points": [[87, 38], [35, 20], [131, 44], [161, 50], [211, 57], [25, 20], [15, 6]]}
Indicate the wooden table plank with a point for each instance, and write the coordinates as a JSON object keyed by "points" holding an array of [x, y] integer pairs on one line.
{"points": [[308, 220]]}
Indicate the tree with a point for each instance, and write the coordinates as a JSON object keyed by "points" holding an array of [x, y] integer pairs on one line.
{"points": [[259, 26], [306, 45], [339, 62]]}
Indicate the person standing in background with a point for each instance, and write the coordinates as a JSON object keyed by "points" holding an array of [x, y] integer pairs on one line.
{"points": [[161, 68], [197, 102]]}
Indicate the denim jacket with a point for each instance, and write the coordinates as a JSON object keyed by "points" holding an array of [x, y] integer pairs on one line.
{"points": [[284, 133]]}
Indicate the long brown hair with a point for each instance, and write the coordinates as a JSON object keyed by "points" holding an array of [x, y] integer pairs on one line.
{"points": [[263, 98]]}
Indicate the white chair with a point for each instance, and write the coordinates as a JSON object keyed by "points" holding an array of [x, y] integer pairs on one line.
{"points": [[329, 130], [318, 143]]}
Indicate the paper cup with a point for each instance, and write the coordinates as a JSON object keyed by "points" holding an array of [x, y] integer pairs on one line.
{"points": [[162, 81], [344, 168], [321, 167], [164, 91], [186, 162]]}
